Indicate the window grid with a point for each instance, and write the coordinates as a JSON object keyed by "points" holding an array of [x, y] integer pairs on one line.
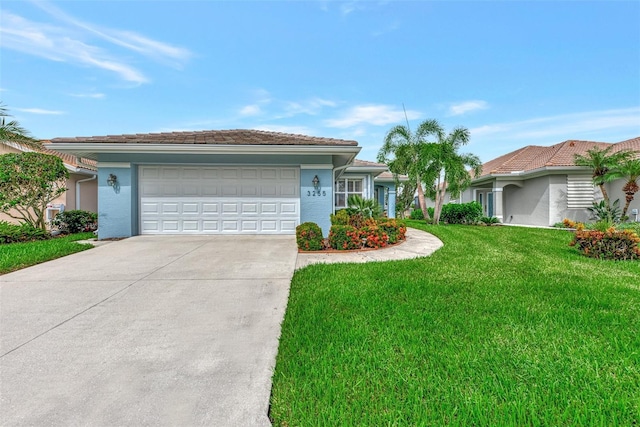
{"points": [[345, 188]]}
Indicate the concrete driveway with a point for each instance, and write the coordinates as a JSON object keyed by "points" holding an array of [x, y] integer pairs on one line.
{"points": [[151, 330]]}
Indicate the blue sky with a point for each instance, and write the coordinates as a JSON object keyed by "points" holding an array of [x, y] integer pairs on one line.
{"points": [[513, 72]]}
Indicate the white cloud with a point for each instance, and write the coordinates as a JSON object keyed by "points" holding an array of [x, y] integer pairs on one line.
{"points": [[250, 110], [80, 43], [310, 106], [93, 95], [377, 115], [40, 111], [566, 126], [466, 107]]}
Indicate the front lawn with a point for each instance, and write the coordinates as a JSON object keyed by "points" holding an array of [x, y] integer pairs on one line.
{"points": [[15, 256], [502, 326]]}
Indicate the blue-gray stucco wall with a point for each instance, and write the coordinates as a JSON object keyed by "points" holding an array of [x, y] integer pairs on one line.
{"points": [[316, 205]]}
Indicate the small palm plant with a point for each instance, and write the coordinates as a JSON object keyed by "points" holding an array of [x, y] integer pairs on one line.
{"points": [[368, 208]]}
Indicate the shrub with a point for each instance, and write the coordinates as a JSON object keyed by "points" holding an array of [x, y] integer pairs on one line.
{"points": [[394, 229], [309, 237], [568, 223], [416, 214], [344, 237], [633, 226], [374, 237], [488, 220], [431, 212], [341, 217], [368, 208], [610, 244], [461, 213], [75, 221], [13, 233], [600, 211]]}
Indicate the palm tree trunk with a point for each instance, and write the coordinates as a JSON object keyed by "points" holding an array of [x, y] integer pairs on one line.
{"points": [[421, 200], [628, 199], [605, 195]]}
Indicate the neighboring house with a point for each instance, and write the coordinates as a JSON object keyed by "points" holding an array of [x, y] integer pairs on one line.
{"points": [[224, 181], [542, 185], [82, 188]]}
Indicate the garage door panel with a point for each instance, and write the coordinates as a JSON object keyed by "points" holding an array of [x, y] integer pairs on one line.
{"points": [[289, 208], [214, 200], [210, 208], [229, 208], [191, 208], [290, 190], [289, 173], [210, 190], [191, 173], [170, 172], [269, 173], [250, 190], [288, 226], [230, 190], [210, 226]]}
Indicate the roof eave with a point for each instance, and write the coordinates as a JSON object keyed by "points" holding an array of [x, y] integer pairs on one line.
{"points": [[91, 151], [521, 175]]}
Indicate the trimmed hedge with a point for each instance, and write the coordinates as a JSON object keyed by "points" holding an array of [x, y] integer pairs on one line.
{"points": [[416, 214], [461, 213], [344, 237], [309, 237]]}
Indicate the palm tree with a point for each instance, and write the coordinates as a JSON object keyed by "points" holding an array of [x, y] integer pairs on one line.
{"points": [[601, 161], [628, 169], [10, 130], [447, 169], [402, 152]]}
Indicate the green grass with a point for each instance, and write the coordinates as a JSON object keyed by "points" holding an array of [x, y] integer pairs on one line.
{"points": [[15, 256], [503, 326]]}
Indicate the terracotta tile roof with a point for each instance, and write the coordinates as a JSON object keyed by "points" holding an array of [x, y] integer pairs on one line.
{"points": [[534, 157], [68, 159], [222, 137]]}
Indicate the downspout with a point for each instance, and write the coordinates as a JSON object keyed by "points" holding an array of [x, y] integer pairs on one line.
{"points": [[333, 183], [78, 189]]}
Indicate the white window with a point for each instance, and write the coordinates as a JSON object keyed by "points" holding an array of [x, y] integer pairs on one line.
{"points": [[345, 188]]}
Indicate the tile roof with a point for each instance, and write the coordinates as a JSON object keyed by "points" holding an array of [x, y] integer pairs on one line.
{"points": [[367, 164], [534, 157], [221, 137], [68, 159]]}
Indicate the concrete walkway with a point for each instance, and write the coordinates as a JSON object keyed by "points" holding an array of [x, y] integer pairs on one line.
{"points": [[154, 330], [417, 244], [150, 330]]}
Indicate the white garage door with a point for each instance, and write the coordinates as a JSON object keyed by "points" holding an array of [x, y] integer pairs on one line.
{"points": [[219, 199]]}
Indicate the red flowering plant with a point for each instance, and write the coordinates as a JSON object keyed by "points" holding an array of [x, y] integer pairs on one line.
{"points": [[374, 237], [344, 237], [309, 237], [395, 229]]}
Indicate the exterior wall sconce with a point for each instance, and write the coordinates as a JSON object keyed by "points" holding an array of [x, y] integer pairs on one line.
{"points": [[316, 182], [112, 180]]}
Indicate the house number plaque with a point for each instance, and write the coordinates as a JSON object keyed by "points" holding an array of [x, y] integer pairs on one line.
{"points": [[316, 193]]}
